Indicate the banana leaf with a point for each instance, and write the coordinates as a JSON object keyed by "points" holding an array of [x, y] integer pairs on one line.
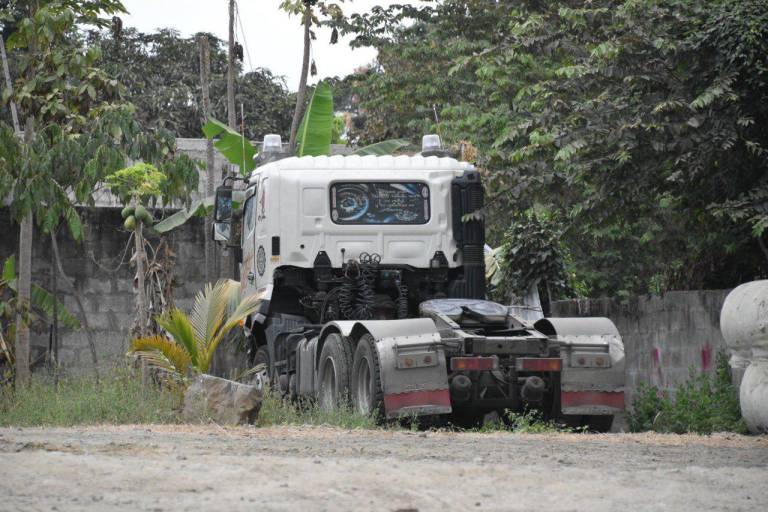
{"points": [[42, 299], [314, 136], [198, 208], [385, 147], [235, 148], [201, 207]]}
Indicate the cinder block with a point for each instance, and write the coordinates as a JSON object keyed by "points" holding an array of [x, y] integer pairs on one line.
{"points": [[123, 303]]}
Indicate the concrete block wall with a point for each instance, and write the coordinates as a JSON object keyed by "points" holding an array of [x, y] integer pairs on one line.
{"points": [[665, 337], [105, 286]]}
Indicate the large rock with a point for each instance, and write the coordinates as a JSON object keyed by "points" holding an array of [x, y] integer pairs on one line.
{"points": [[211, 398]]}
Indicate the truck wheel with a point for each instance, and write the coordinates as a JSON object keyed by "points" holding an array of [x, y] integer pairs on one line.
{"points": [[333, 372], [367, 396]]}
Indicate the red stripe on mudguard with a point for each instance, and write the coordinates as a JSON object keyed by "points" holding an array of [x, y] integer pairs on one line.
{"points": [[397, 401], [605, 398]]}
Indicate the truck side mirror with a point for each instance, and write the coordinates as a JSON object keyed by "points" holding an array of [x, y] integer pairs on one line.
{"points": [[222, 214]]}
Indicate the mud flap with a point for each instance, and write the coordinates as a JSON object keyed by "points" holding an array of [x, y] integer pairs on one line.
{"points": [[414, 376], [592, 380]]}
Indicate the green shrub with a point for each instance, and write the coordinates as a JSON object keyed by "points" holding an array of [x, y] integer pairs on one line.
{"points": [[702, 404], [118, 399]]}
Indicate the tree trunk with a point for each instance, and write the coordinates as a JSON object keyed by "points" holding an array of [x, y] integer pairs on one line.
{"points": [[24, 286], [205, 80], [23, 296], [302, 93], [9, 86], [231, 114], [140, 328]]}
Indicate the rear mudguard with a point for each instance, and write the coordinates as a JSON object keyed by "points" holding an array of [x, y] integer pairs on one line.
{"points": [[592, 379], [414, 375]]}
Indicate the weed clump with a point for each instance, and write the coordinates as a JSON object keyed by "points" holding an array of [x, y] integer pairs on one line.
{"points": [[119, 398], [703, 404], [277, 411]]}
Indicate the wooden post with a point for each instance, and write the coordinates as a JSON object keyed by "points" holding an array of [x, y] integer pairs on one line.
{"points": [[205, 80]]}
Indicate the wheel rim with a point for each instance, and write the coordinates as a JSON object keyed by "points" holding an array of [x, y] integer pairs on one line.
{"points": [[364, 385], [328, 385]]}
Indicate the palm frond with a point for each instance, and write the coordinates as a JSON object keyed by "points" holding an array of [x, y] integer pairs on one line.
{"points": [[162, 353], [209, 311], [179, 326], [247, 306]]}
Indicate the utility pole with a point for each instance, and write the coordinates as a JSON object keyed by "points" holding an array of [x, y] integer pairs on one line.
{"points": [[231, 114], [205, 80]]}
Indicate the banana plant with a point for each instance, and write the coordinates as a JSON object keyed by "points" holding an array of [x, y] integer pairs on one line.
{"points": [[41, 299], [316, 128], [192, 339]]}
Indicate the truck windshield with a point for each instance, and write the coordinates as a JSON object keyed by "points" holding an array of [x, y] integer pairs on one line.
{"points": [[380, 203]]}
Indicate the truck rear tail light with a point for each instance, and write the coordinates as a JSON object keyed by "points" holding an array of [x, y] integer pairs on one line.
{"points": [[417, 360], [474, 363], [530, 364]]}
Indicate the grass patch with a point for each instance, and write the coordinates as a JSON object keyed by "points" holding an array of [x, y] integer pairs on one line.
{"points": [[78, 400], [276, 411], [703, 404]]}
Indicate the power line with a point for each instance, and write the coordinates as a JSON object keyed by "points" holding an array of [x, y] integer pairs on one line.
{"points": [[245, 42]]}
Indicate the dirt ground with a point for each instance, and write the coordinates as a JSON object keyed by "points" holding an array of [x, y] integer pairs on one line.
{"points": [[158, 468]]}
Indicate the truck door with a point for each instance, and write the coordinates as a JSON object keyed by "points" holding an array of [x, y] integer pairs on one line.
{"points": [[261, 235], [248, 266]]}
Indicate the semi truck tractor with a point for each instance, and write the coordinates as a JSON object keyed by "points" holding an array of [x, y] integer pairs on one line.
{"points": [[371, 275]]}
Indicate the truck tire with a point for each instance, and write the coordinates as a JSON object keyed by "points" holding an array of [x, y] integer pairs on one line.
{"points": [[333, 372], [367, 395]]}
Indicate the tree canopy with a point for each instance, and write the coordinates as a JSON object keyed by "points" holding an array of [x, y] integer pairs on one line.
{"points": [[640, 125], [161, 74]]}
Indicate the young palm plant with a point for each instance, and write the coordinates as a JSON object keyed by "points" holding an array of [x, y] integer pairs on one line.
{"points": [[192, 339]]}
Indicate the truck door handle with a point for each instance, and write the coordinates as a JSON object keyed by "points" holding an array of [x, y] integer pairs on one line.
{"points": [[251, 276]]}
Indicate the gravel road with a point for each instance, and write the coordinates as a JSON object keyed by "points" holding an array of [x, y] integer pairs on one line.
{"points": [[159, 468]]}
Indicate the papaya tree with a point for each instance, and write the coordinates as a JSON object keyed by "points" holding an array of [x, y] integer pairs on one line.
{"points": [[135, 186]]}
